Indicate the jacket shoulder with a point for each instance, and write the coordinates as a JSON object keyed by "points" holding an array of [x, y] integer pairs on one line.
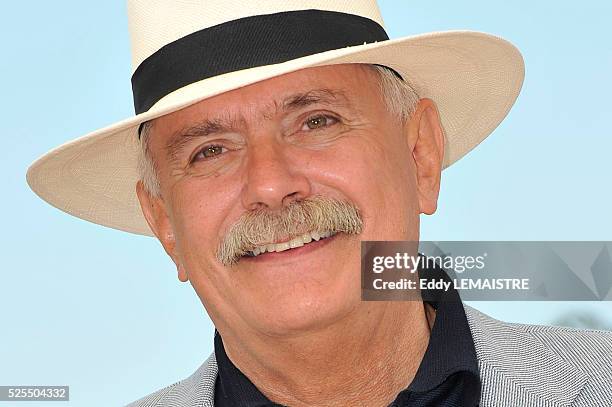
{"points": [[588, 350], [195, 390], [570, 364], [572, 342]]}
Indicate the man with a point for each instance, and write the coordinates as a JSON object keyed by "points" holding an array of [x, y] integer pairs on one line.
{"points": [[270, 139]]}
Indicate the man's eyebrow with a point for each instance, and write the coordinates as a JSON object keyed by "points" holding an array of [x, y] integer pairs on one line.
{"points": [[324, 96], [209, 127], [204, 128]]}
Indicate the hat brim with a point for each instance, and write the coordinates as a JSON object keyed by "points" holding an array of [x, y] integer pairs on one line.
{"points": [[474, 79]]}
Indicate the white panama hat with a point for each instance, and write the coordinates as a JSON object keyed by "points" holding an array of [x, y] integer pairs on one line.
{"points": [[184, 52]]}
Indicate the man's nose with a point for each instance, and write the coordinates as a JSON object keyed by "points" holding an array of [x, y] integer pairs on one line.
{"points": [[272, 179]]}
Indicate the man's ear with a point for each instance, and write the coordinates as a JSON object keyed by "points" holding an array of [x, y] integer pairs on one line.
{"points": [[426, 141], [156, 215]]}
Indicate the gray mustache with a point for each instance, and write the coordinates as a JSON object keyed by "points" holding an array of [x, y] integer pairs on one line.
{"points": [[314, 213]]}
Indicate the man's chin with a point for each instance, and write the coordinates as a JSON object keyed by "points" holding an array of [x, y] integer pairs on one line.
{"points": [[303, 313]]}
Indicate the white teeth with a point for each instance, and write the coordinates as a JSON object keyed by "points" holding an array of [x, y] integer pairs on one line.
{"points": [[281, 247], [297, 242], [292, 244]]}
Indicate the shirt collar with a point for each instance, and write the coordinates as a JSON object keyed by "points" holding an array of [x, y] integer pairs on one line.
{"points": [[232, 387], [451, 347]]}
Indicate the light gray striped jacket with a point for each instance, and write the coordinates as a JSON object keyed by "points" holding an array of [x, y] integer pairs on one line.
{"points": [[520, 365]]}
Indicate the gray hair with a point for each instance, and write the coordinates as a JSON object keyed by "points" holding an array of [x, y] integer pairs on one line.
{"points": [[314, 213], [400, 97]]}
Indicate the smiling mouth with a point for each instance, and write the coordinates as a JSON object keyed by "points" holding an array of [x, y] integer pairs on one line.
{"points": [[294, 243]]}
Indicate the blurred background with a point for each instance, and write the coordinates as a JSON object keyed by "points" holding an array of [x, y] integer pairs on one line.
{"points": [[103, 312]]}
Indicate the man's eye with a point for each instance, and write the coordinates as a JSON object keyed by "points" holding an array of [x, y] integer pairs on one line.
{"points": [[209, 152], [318, 121]]}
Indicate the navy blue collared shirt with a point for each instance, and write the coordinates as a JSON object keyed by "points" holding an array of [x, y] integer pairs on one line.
{"points": [[447, 376]]}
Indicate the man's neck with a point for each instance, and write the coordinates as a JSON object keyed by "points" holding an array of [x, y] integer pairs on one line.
{"points": [[358, 361]]}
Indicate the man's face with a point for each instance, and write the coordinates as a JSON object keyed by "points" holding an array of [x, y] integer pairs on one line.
{"points": [[319, 132]]}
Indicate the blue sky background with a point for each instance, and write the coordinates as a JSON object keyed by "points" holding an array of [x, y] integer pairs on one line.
{"points": [[102, 310]]}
